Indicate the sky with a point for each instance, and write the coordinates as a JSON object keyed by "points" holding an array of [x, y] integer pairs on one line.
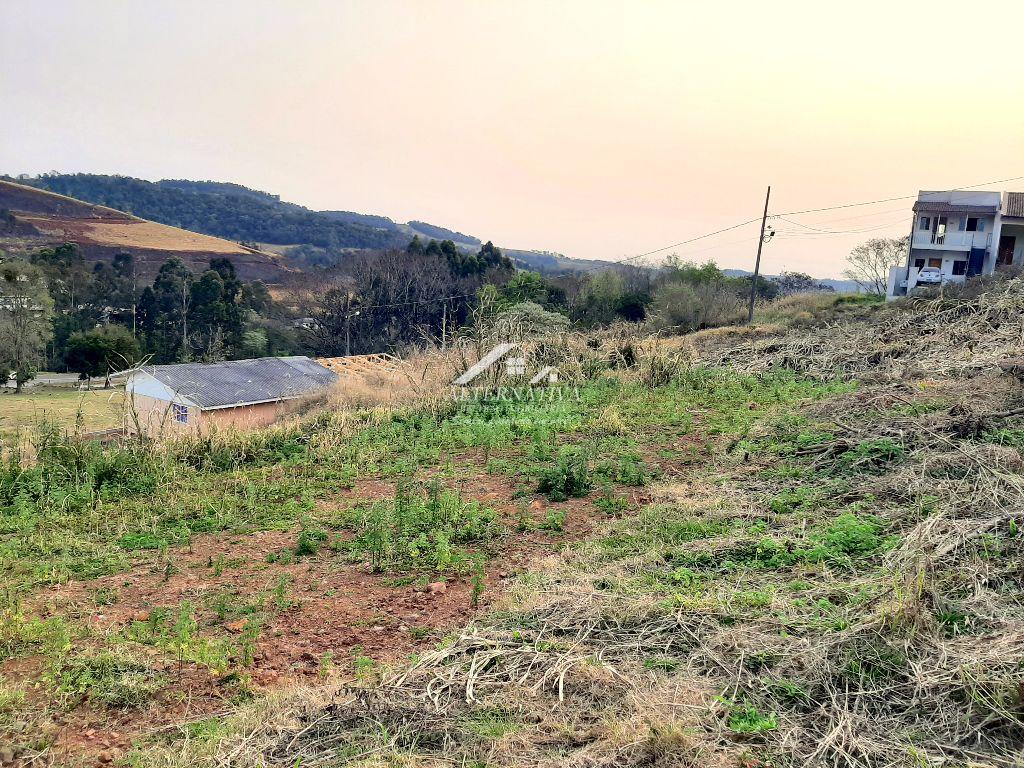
{"points": [[595, 129]]}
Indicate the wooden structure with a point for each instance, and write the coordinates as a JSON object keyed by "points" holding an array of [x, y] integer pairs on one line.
{"points": [[361, 365]]}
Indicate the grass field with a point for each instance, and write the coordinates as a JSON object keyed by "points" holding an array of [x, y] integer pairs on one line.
{"points": [[87, 410]]}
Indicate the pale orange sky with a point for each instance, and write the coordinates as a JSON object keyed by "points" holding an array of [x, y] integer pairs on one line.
{"points": [[596, 129]]}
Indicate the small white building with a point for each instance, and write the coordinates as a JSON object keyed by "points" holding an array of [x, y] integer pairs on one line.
{"points": [[959, 234], [235, 394]]}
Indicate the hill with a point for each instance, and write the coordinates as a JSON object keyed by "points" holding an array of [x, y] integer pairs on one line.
{"points": [[238, 213], [32, 218], [214, 208]]}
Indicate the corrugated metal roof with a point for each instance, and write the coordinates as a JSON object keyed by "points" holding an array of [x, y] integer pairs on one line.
{"points": [[1014, 204], [926, 207], [244, 382]]}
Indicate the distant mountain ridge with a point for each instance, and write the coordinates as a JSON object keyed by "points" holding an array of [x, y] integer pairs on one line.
{"points": [[244, 215], [230, 211]]}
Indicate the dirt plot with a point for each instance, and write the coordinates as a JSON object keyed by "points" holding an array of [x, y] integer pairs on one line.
{"points": [[332, 616]]}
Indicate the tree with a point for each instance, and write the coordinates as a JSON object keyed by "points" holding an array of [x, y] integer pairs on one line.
{"points": [[532, 287], [690, 297], [789, 283], [25, 312], [870, 262], [101, 351], [167, 309]]}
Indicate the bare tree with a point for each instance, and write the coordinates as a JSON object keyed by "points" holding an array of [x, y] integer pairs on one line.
{"points": [[870, 262]]}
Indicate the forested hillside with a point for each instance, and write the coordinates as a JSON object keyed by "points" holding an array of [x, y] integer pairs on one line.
{"points": [[309, 238], [224, 210]]}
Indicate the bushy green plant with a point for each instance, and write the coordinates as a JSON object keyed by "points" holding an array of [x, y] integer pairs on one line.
{"points": [[21, 634], [850, 534], [421, 527], [311, 538], [611, 504], [746, 719], [569, 478], [627, 470]]}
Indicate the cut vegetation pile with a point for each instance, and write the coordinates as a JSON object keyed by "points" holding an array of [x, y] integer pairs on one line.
{"points": [[824, 568]]}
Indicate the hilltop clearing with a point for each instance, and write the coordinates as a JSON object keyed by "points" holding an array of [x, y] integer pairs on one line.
{"points": [[33, 219]]}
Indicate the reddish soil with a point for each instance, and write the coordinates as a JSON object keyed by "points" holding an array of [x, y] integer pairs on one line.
{"points": [[339, 608]]}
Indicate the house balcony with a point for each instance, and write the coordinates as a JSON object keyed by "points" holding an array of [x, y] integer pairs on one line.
{"points": [[951, 241]]}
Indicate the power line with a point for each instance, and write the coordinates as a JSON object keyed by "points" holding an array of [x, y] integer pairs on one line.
{"points": [[816, 231], [798, 213], [893, 199], [685, 242]]}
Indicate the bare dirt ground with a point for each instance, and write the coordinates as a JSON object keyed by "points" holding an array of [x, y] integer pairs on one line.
{"points": [[337, 610]]}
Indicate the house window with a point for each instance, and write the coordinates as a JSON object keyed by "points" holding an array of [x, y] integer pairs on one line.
{"points": [[925, 224], [959, 267], [180, 413], [972, 224], [918, 263], [935, 263], [981, 225]]}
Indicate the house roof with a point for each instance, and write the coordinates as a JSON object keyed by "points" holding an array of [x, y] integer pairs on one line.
{"points": [[939, 207], [1014, 204], [243, 382]]}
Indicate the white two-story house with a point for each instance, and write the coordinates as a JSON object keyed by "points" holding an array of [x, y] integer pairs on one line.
{"points": [[959, 234]]}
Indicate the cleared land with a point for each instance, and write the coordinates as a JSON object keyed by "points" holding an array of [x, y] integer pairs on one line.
{"points": [[793, 544], [38, 219], [129, 234]]}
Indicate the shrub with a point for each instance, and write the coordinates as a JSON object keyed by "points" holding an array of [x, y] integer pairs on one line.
{"points": [[569, 478], [628, 470], [421, 527], [851, 535], [310, 540]]}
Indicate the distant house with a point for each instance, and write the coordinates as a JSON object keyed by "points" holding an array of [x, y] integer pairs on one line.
{"points": [[957, 235], [198, 397]]}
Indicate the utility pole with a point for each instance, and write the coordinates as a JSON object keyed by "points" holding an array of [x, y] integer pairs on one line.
{"points": [[757, 263], [348, 324]]}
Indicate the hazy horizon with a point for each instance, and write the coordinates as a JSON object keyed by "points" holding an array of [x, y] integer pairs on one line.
{"points": [[597, 130]]}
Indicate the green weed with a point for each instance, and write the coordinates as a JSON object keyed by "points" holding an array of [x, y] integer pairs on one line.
{"points": [[745, 718], [111, 679], [568, 478], [421, 528]]}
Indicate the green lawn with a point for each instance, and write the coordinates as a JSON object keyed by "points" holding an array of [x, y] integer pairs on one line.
{"points": [[99, 408]]}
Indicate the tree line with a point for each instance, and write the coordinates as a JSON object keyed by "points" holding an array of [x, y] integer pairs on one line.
{"points": [[58, 312]]}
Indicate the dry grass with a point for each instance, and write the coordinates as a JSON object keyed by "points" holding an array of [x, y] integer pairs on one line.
{"points": [[953, 334], [89, 410], [135, 233]]}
